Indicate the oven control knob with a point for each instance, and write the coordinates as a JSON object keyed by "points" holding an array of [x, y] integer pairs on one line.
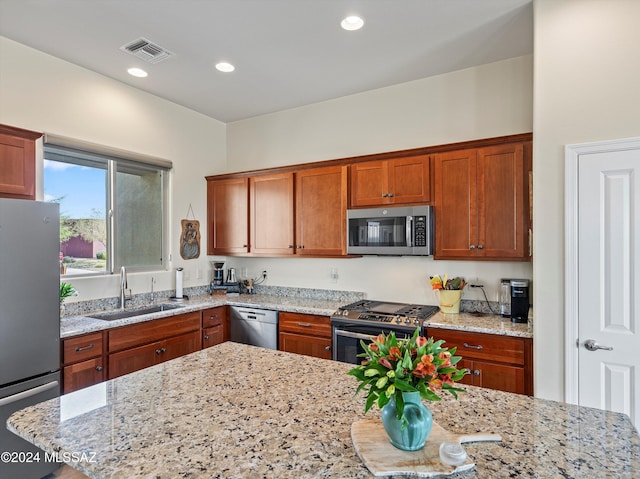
{"points": [[407, 321], [398, 319], [416, 321], [345, 313]]}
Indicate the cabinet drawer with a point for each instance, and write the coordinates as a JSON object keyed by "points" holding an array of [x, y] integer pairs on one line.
{"points": [[310, 324], [149, 331], [79, 348], [491, 347], [213, 316]]}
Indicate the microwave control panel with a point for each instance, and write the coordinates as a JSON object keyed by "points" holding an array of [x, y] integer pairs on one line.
{"points": [[420, 231]]}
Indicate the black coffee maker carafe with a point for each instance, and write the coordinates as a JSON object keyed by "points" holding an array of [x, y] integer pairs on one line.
{"points": [[218, 273], [519, 300]]}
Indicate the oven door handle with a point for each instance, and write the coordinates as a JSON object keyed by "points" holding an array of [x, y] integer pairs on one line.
{"points": [[351, 334]]}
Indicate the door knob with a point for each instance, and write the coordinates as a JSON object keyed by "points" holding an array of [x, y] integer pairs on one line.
{"points": [[591, 345]]}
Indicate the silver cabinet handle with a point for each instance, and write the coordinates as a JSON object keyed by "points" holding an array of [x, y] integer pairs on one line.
{"points": [[84, 348], [327, 348], [591, 345], [99, 368], [305, 325], [206, 337], [290, 246], [390, 195], [472, 246], [480, 246], [471, 346], [384, 195], [158, 351], [476, 372]]}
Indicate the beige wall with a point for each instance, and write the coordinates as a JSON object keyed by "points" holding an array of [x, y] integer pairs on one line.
{"points": [[42, 93], [586, 88], [486, 101]]}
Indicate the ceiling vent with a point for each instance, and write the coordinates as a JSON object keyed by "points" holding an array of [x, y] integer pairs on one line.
{"points": [[146, 50]]}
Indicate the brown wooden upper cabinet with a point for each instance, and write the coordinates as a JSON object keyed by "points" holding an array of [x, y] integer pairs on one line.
{"points": [[18, 162], [321, 209], [391, 182], [481, 203], [228, 216], [271, 214], [279, 214]]}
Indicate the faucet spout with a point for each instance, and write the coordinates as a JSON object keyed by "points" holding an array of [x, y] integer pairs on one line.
{"points": [[123, 287]]}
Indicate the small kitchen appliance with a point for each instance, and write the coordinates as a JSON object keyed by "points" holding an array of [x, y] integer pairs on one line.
{"points": [[365, 319], [519, 300], [218, 273]]}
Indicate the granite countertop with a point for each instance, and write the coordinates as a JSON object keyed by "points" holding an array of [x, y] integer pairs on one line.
{"points": [[75, 325], [237, 411], [484, 323]]}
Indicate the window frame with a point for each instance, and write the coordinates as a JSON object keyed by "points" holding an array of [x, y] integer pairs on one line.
{"points": [[60, 148]]}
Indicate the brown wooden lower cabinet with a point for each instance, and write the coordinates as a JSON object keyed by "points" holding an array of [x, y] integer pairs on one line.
{"points": [[134, 359], [82, 375], [494, 361], [307, 334], [215, 326], [82, 361]]}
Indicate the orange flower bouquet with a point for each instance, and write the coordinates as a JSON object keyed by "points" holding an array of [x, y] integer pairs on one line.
{"points": [[392, 366]]}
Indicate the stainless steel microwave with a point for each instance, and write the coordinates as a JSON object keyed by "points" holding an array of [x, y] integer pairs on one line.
{"points": [[395, 231]]}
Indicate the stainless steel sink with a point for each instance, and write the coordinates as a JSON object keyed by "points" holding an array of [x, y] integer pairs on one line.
{"points": [[119, 314]]}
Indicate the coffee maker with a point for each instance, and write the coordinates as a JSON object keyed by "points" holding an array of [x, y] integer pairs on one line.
{"points": [[218, 273], [519, 300]]}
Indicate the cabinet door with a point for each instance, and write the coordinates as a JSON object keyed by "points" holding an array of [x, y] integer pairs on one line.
{"points": [[321, 205], [179, 346], [456, 204], [369, 184], [134, 359], [498, 376], [212, 336], [228, 216], [501, 205], [409, 180], [82, 375], [307, 345], [17, 162], [271, 211]]}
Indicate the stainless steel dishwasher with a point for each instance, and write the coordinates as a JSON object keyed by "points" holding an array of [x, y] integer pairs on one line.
{"points": [[258, 327]]}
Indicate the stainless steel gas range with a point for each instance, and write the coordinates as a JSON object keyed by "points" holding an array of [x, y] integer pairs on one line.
{"points": [[367, 318]]}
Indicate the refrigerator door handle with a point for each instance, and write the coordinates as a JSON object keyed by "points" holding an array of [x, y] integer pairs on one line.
{"points": [[28, 393]]}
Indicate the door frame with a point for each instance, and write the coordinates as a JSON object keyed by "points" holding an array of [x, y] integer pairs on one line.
{"points": [[573, 152]]}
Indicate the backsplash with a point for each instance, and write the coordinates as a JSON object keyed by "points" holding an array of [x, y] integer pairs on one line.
{"points": [[80, 308]]}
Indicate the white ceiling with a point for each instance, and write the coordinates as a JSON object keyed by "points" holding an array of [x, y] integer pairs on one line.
{"points": [[287, 53]]}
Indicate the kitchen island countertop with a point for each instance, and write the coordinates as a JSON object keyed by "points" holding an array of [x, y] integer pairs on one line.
{"points": [[484, 323], [237, 411]]}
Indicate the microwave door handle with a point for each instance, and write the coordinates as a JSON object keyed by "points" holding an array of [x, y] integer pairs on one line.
{"points": [[410, 231]]}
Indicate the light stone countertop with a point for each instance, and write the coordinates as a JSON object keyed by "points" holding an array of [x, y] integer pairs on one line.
{"points": [[484, 323], [237, 411]]}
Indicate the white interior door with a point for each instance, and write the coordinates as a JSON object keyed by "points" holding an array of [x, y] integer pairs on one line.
{"points": [[607, 291]]}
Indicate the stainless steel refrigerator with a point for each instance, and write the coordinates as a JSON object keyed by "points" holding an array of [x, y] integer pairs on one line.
{"points": [[29, 322]]}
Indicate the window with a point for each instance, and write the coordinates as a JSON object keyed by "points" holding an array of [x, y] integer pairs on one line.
{"points": [[112, 207]]}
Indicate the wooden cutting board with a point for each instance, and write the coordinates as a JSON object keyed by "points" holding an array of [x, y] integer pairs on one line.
{"points": [[383, 459]]}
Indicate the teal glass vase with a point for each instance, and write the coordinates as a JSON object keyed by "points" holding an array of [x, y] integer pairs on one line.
{"points": [[414, 435]]}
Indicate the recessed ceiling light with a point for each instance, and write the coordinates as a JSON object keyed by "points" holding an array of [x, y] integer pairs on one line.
{"points": [[225, 67], [137, 72], [352, 23]]}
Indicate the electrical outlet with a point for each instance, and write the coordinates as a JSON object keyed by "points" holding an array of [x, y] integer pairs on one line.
{"points": [[334, 275], [264, 274]]}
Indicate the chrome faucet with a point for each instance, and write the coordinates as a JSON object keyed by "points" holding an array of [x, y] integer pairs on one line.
{"points": [[123, 287]]}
